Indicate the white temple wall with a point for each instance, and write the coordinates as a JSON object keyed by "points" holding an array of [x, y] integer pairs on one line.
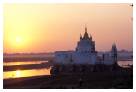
{"points": [[62, 57], [84, 58]]}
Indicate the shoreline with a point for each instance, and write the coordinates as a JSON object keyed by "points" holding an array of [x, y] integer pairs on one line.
{"points": [[93, 80], [26, 67]]}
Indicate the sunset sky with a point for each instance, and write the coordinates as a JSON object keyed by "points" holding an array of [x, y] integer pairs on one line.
{"points": [[54, 27]]}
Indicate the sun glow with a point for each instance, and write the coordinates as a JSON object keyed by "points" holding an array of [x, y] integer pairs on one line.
{"points": [[18, 39], [17, 73], [41, 28]]}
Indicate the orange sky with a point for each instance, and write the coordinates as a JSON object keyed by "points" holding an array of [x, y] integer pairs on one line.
{"points": [[51, 27]]}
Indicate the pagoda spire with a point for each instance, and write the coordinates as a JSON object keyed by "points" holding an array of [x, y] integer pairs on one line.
{"points": [[90, 37], [86, 34], [114, 52], [85, 29], [80, 37], [114, 48]]}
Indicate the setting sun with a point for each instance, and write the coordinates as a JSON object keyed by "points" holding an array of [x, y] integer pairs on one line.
{"points": [[67, 45], [53, 27], [18, 39]]}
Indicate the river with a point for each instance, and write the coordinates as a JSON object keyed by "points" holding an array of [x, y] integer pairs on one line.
{"points": [[37, 72]]}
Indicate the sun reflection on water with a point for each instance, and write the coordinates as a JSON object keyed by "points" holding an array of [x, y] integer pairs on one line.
{"points": [[17, 73], [26, 73]]}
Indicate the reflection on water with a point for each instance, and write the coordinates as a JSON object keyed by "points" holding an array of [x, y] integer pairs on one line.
{"points": [[125, 63], [26, 73], [38, 72], [23, 63], [17, 73]]}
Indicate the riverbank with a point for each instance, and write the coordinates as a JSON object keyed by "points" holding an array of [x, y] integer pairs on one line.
{"points": [[94, 80], [26, 67]]}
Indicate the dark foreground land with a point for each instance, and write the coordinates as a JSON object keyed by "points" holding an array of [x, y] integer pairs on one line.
{"points": [[94, 80]]}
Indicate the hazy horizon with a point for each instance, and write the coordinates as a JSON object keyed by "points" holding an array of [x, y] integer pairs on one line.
{"points": [[34, 28], [54, 51]]}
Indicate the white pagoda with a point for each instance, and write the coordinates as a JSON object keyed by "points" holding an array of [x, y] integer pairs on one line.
{"points": [[85, 54]]}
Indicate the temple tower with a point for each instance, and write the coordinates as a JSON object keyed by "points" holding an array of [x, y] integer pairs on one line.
{"points": [[85, 44], [114, 53]]}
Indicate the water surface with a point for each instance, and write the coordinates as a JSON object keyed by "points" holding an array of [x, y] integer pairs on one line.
{"points": [[37, 72], [26, 73], [22, 63], [125, 63]]}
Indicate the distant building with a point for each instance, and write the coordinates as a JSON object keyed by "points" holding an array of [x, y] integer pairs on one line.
{"points": [[84, 55]]}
